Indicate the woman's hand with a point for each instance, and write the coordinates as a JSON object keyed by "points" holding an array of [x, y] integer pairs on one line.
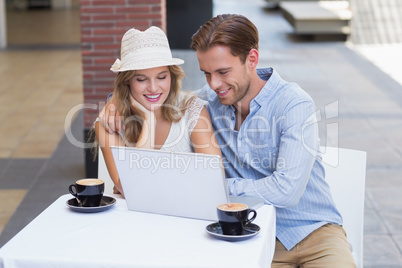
{"points": [[147, 113], [147, 135], [117, 191]]}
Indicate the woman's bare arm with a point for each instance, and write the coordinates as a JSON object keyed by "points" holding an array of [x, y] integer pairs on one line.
{"points": [[203, 136], [105, 140]]}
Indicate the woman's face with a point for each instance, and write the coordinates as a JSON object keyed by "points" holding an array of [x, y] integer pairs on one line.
{"points": [[151, 87]]}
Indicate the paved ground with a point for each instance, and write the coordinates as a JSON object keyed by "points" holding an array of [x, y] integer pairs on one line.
{"points": [[369, 105]]}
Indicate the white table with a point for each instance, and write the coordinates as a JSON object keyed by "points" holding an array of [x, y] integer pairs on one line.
{"points": [[60, 237]]}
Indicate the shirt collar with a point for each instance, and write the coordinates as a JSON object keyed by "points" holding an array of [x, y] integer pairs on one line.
{"points": [[272, 77]]}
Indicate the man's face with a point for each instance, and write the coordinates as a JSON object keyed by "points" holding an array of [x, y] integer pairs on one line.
{"points": [[225, 74]]}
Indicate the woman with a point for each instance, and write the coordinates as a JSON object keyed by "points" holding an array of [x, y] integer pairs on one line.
{"points": [[155, 113]]}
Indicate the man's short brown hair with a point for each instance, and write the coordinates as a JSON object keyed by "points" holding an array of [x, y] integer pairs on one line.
{"points": [[231, 30]]}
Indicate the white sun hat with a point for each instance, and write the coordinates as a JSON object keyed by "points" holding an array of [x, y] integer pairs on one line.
{"points": [[144, 50]]}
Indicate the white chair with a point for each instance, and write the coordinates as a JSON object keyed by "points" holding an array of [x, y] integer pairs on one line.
{"points": [[346, 175], [103, 174]]}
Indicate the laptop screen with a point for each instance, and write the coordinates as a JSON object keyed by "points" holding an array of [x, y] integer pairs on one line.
{"points": [[171, 183]]}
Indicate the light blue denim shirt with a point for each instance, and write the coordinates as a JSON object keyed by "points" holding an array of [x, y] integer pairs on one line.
{"points": [[274, 156]]}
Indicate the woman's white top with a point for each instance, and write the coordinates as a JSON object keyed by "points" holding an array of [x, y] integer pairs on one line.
{"points": [[178, 139]]}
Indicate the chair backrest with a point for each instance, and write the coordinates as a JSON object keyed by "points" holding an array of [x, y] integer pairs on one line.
{"points": [[346, 175], [103, 174]]}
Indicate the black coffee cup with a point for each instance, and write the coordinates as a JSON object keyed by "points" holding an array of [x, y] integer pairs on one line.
{"points": [[88, 192], [233, 217]]}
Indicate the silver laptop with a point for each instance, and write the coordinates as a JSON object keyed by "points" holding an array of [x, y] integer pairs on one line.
{"points": [[187, 185]]}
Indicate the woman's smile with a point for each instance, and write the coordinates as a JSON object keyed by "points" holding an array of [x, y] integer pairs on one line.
{"points": [[153, 97]]}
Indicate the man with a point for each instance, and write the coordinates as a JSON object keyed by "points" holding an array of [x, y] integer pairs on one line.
{"points": [[268, 135]]}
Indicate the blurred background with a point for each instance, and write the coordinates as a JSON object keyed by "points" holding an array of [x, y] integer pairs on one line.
{"points": [[346, 54]]}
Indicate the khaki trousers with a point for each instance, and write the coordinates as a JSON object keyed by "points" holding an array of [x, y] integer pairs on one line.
{"points": [[326, 247]]}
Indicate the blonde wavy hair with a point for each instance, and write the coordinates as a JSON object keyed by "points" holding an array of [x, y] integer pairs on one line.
{"points": [[173, 109]]}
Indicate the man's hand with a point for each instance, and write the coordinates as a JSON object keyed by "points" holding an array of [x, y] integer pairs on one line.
{"points": [[110, 117]]}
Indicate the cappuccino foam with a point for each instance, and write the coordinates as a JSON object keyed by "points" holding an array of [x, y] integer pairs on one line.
{"points": [[232, 207], [89, 182]]}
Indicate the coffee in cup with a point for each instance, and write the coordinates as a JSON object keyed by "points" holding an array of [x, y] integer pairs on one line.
{"points": [[233, 217], [88, 192]]}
